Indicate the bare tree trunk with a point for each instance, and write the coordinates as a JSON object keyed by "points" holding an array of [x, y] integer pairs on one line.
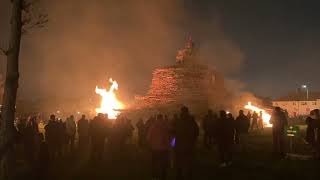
{"points": [[8, 131]]}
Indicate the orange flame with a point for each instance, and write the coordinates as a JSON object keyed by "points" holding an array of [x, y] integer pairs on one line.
{"points": [[265, 116], [109, 104]]}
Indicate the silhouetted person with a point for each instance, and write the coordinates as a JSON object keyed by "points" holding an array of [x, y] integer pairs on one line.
{"points": [[260, 120], [35, 129], [166, 118], [117, 139], [225, 130], [279, 122], [141, 132], [149, 122], [71, 128], [249, 116], [158, 138], [83, 132], [43, 159], [254, 123], [29, 136], [172, 122], [62, 137], [186, 132], [242, 125], [128, 128], [317, 130], [175, 117], [231, 119], [311, 128], [21, 125], [213, 125], [52, 136], [98, 132], [207, 124]]}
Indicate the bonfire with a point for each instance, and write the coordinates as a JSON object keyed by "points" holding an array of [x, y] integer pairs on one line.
{"points": [[109, 103]]}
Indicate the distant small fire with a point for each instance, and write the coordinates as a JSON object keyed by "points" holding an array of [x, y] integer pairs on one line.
{"points": [[265, 116], [109, 104]]}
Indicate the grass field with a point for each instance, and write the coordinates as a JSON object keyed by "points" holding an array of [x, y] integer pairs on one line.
{"points": [[257, 163]]}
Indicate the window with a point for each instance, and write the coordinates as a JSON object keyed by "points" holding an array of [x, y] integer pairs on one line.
{"points": [[303, 103], [294, 103], [314, 103]]}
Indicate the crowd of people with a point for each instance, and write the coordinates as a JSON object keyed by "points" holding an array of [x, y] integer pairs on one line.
{"points": [[160, 134], [42, 149]]}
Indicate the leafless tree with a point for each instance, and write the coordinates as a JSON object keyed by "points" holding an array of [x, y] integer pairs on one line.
{"points": [[23, 19]]}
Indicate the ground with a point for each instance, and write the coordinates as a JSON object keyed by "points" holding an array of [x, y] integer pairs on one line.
{"points": [[257, 163]]}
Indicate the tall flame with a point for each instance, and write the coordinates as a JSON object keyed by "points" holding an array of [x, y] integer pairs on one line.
{"points": [[265, 116], [109, 104]]}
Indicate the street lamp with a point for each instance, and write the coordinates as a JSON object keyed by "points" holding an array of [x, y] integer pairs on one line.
{"points": [[306, 87]]}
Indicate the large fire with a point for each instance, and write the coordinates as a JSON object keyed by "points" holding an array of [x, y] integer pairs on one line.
{"points": [[109, 104], [265, 116]]}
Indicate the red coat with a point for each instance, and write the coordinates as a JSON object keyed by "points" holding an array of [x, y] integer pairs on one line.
{"points": [[158, 136]]}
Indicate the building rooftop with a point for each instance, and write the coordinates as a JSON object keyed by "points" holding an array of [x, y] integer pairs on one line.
{"points": [[300, 96]]}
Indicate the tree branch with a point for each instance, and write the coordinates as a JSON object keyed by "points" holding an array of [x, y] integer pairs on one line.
{"points": [[32, 17]]}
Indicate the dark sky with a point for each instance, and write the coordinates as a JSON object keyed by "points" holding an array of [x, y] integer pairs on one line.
{"points": [[268, 47]]}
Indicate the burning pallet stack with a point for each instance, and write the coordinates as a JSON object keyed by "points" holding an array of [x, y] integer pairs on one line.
{"points": [[186, 83]]}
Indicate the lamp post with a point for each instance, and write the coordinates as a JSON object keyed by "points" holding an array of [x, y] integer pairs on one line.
{"points": [[306, 88]]}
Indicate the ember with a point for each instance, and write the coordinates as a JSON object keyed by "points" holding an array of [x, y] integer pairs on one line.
{"points": [[109, 104]]}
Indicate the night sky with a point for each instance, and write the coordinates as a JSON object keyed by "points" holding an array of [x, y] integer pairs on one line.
{"points": [[268, 47]]}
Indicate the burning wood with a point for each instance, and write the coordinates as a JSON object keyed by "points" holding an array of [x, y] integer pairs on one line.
{"points": [[109, 104], [265, 116]]}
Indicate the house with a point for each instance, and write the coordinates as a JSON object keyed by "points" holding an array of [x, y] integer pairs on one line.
{"points": [[298, 103]]}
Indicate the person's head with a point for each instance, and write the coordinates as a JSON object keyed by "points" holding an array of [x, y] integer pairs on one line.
{"points": [[33, 119], [223, 114], [83, 116], [184, 110], [52, 117], [241, 112], [72, 117], [159, 117], [119, 120], [215, 115], [106, 116], [313, 114], [100, 115], [229, 115], [317, 113], [277, 109]]}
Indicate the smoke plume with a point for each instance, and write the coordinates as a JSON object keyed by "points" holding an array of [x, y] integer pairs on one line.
{"points": [[86, 42]]}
